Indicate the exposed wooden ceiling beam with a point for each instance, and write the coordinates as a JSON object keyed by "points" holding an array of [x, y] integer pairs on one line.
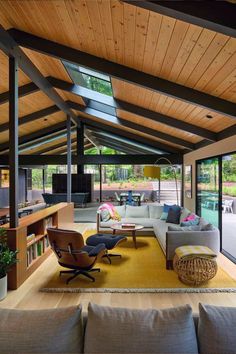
{"points": [[218, 16], [9, 46], [23, 91], [31, 117], [124, 73], [126, 123], [32, 160]]}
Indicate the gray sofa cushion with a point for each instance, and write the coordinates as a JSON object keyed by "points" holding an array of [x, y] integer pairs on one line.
{"points": [[41, 331], [155, 211], [137, 212], [120, 330], [216, 329], [121, 210]]}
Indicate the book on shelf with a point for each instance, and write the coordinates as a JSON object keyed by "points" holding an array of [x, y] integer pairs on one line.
{"points": [[128, 225], [30, 237], [48, 222]]}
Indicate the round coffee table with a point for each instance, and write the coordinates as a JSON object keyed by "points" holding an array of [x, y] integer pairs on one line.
{"points": [[118, 227]]}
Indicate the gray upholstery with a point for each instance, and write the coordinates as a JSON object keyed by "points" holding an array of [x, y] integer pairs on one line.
{"points": [[120, 330], [168, 240], [216, 329], [57, 330]]}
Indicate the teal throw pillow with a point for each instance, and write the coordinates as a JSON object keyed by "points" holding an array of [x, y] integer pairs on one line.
{"points": [[164, 216]]}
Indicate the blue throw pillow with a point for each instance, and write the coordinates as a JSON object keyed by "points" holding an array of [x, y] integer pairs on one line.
{"points": [[167, 207], [163, 216]]}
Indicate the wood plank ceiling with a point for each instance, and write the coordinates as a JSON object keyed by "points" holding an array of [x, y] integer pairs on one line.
{"points": [[158, 45]]}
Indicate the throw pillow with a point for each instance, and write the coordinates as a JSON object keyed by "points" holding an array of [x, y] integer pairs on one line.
{"points": [[190, 222], [208, 227], [127, 331], [163, 216], [173, 216], [184, 213], [216, 329], [167, 207], [56, 330], [105, 215]]}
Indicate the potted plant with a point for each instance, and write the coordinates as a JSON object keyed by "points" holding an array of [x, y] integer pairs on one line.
{"points": [[7, 259]]}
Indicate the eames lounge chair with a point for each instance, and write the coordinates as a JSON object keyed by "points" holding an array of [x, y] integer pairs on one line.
{"points": [[72, 253]]}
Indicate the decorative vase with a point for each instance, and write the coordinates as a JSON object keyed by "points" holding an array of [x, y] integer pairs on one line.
{"points": [[3, 287]]}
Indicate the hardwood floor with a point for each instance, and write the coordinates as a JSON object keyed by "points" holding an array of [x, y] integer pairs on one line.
{"points": [[28, 295]]}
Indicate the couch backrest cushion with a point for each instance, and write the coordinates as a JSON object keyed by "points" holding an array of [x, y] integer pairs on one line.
{"points": [[216, 329], [41, 331], [121, 210], [137, 211], [155, 211], [120, 330]]}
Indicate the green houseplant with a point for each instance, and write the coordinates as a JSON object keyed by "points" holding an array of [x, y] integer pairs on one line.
{"points": [[7, 259]]}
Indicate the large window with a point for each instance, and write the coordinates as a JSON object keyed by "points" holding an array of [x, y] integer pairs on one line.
{"points": [[216, 198], [208, 190]]}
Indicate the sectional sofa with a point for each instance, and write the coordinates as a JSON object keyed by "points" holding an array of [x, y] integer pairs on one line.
{"points": [[150, 217], [118, 330]]}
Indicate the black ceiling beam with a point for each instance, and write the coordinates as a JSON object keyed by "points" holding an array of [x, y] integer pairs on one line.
{"points": [[136, 138], [124, 73], [218, 16], [226, 133], [9, 46], [132, 125], [120, 147], [131, 108], [38, 135], [54, 147], [123, 142], [33, 160], [23, 91], [125, 134], [31, 117]]}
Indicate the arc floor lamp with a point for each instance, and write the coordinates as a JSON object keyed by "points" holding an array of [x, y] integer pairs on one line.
{"points": [[154, 172]]}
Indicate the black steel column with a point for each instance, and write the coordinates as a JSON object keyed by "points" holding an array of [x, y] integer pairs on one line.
{"points": [[44, 178], [80, 147], [68, 126], [13, 141], [100, 178]]}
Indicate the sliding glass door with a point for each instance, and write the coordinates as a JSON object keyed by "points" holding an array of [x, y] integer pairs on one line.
{"points": [[208, 196], [216, 198], [229, 205]]}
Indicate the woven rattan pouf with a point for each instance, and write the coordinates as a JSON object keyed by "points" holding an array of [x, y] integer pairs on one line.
{"points": [[195, 270]]}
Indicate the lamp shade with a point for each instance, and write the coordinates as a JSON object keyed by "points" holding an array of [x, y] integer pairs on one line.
{"points": [[152, 171]]}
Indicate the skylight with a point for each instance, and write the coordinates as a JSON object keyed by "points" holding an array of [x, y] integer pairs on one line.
{"points": [[89, 79]]}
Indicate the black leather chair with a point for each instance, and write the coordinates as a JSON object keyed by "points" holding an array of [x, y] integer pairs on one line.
{"points": [[71, 253]]}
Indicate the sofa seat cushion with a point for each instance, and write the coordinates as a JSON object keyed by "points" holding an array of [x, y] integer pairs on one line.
{"points": [[137, 211], [120, 330], [160, 228], [146, 222], [56, 330]]}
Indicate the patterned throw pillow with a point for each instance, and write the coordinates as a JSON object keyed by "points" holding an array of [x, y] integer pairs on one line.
{"points": [[105, 215]]}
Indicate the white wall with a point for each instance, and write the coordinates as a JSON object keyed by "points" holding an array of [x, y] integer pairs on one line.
{"points": [[221, 147]]}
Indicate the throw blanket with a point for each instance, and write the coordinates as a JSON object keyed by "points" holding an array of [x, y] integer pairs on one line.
{"points": [[111, 210], [192, 251]]}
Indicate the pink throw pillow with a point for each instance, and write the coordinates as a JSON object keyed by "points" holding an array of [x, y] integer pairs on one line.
{"points": [[190, 217]]}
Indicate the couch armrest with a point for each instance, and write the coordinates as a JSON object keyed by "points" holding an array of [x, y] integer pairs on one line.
{"points": [[176, 239]]}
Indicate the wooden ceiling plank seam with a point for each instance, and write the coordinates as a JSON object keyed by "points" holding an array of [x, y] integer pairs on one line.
{"points": [[10, 47], [129, 33], [117, 16], [125, 73], [220, 20]]}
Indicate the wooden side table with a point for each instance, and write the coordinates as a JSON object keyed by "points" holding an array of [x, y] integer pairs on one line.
{"points": [[118, 227]]}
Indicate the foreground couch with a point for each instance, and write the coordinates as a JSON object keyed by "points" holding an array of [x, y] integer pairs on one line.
{"points": [[150, 217], [118, 330]]}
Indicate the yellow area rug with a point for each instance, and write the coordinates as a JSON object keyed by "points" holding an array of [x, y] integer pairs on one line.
{"points": [[139, 270]]}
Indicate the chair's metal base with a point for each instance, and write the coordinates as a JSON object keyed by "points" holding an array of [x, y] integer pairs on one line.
{"points": [[78, 272], [109, 255]]}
